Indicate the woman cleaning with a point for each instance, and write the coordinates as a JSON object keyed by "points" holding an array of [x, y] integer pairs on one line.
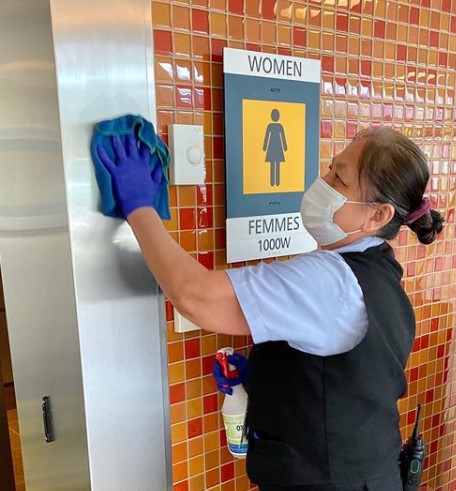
{"points": [[332, 328]]}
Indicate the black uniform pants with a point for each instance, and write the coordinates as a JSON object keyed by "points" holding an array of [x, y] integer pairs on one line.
{"points": [[366, 487], [389, 485]]}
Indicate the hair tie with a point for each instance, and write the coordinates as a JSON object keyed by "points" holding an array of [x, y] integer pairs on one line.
{"points": [[423, 209]]}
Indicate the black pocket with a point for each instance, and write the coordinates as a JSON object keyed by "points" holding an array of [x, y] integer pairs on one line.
{"points": [[274, 462], [266, 461]]}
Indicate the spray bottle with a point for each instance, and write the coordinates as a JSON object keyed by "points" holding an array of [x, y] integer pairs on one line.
{"points": [[234, 407]]}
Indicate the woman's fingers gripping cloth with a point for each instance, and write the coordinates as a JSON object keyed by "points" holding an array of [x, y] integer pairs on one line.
{"points": [[159, 160]]}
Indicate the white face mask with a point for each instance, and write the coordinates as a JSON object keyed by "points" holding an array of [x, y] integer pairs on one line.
{"points": [[318, 206]]}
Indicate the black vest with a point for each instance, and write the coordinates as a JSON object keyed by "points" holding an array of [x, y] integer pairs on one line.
{"points": [[327, 420]]}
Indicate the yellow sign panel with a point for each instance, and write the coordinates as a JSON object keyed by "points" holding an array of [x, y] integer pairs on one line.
{"points": [[273, 146]]}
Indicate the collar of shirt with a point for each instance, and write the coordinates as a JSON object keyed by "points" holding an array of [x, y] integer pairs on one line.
{"points": [[360, 245]]}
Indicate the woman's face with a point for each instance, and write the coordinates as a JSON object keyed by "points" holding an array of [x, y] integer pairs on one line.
{"points": [[343, 176]]}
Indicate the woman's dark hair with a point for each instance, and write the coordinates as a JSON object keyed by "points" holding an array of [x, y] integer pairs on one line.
{"points": [[394, 170]]}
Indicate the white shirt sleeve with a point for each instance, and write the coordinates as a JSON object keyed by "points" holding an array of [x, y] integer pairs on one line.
{"points": [[313, 301]]}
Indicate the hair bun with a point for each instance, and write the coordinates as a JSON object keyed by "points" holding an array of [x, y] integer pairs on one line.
{"points": [[426, 228]]}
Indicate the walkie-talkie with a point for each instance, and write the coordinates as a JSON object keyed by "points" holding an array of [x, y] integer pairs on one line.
{"points": [[412, 458]]}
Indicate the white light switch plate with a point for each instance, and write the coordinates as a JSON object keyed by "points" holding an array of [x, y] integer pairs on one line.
{"points": [[181, 324], [186, 148]]}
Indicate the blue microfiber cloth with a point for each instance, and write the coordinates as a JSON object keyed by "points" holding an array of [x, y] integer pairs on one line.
{"points": [[144, 130]]}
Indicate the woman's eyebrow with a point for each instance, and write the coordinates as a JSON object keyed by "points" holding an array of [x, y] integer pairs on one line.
{"points": [[343, 169], [340, 166]]}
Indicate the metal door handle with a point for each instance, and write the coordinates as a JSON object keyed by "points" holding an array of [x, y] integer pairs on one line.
{"points": [[47, 420]]}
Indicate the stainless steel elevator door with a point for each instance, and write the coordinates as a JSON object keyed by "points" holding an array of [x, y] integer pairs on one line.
{"points": [[35, 253]]}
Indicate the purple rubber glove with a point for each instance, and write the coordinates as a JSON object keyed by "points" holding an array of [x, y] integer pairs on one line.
{"points": [[134, 183], [225, 384]]}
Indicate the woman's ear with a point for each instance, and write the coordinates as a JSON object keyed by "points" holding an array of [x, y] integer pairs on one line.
{"points": [[379, 216]]}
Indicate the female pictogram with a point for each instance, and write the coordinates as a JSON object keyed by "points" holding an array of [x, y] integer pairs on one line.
{"points": [[275, 144]]}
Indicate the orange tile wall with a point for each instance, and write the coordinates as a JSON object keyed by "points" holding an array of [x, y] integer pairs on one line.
{"points": [[383, 62]]}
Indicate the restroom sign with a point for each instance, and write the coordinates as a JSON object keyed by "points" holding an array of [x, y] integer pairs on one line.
{"points": [[271, 151]]}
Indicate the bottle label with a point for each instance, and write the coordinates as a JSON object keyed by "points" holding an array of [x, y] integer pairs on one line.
{"points": [[234, 428]]}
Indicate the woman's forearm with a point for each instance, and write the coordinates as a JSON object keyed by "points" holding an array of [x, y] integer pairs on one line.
{"points": [[170, 264], [205, 297]]}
